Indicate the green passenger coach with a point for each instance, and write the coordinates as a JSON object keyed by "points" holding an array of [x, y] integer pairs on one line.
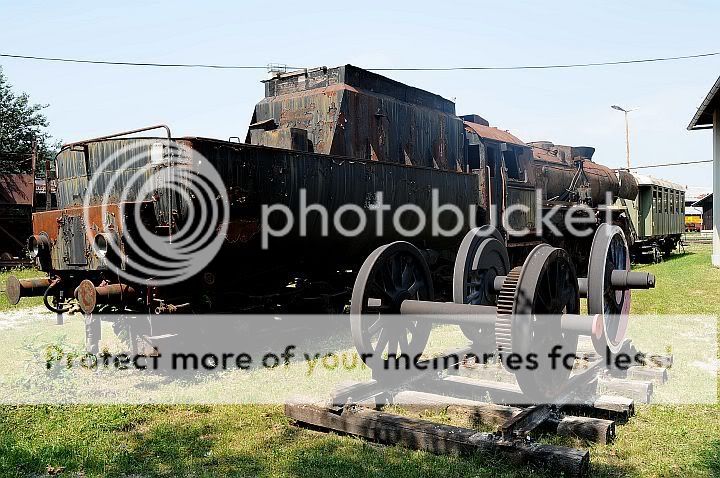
{"points": [[657, 218]]}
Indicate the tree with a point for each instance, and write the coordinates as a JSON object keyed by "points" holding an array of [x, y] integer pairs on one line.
{"points": [[22, 125]]}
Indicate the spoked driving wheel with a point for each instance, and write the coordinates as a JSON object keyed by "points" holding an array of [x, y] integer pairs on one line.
{"points": [[391, 274], [482, 257], [532, 302], [609, 252]]}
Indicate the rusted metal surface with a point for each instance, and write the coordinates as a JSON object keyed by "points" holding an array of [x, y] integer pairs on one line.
{"points": [[495, 134], [348, 111], [50, 222], [629, 187], [256, 175], [343, 136], [89, 296], [16, 288], [566, 171], [71, 237]]}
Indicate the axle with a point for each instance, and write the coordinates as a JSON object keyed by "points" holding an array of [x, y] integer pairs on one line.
{"points": [[462, 314], [619, 279]]}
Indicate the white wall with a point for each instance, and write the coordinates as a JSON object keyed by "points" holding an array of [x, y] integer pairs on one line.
{"points": [[716, 188]]}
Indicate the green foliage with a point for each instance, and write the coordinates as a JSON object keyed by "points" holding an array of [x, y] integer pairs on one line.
{"points": [[21, 124]]}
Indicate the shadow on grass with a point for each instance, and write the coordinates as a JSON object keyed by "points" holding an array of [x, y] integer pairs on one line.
{"points": [[332, 455], [673, 257], [710, 458]]}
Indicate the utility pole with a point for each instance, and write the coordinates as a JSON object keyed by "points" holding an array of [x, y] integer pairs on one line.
{"points": [[627, 131]]}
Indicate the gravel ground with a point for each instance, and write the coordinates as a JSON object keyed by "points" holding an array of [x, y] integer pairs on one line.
{"points": [[12, 318]]}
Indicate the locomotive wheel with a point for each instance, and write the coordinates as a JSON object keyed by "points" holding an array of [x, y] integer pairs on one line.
{"points": [[482, 257], [391, 274], [609, 252], [530, 306]]}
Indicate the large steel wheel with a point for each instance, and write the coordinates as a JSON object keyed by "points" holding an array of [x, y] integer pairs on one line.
{"points": [[391, 274], [609, 252], [532, 301], [481, 258]]}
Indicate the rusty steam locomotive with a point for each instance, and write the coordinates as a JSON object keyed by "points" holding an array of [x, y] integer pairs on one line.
{"points": [[342, 135]]}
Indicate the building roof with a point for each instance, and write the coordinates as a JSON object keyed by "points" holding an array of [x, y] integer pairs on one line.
{"points": [[705, 202], [644, 180], [16, 189], [703, 118]]}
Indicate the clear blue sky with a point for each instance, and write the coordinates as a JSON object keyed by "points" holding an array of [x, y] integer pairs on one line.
{"points": [[564, 106]]}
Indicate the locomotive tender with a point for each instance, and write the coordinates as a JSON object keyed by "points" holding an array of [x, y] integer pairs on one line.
{"points": [[342, 135]]}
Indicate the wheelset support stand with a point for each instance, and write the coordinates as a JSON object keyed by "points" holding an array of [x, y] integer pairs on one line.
{"points": [[594, 400]]}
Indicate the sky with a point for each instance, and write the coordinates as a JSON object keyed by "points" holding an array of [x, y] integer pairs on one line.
{"points": [[565, 106]]}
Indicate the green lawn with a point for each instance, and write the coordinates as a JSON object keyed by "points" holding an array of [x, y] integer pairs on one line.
{"points": [[245, 441]]}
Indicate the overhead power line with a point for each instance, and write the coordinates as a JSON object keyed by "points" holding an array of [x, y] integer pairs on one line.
{"points": [[450, 68], [548, 67], [132, 63], [666, 164]]}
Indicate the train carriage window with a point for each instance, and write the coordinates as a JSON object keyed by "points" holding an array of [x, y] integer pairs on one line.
{"points": [[663, 196], [655, 201], [679, 202], [671, 201]]}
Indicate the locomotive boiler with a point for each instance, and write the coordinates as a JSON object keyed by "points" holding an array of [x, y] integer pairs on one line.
{"points": [[338, 138]]}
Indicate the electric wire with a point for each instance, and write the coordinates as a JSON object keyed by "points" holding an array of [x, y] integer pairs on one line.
{"points": [[450, 68]]}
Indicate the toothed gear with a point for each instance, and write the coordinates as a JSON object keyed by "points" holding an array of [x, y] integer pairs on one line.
{"points": [[505, 310]]}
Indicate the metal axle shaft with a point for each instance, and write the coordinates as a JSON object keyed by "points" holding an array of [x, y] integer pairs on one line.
{"points": [[485, 315]]}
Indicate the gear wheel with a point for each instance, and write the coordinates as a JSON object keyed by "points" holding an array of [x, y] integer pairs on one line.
{"points": [[505, 311]]}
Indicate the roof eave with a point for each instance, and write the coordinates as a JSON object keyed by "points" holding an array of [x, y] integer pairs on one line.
{"points": [[703, 117], [703, 200]]}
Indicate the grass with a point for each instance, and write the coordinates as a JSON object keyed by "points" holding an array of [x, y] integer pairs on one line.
{"points": [[245, 441]]}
